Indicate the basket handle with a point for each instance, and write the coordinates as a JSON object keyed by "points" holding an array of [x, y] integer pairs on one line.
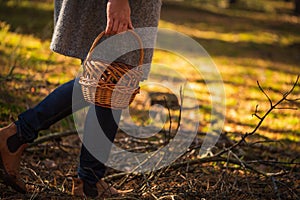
{"points": [[137, 37]]}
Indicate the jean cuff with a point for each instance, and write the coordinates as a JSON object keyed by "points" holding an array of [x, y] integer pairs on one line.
{"points": [[25, 131], [89, 175]]}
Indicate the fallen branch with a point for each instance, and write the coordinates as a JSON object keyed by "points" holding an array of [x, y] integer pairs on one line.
{"points": [[261, 118], [203, 160], [52, 136]]}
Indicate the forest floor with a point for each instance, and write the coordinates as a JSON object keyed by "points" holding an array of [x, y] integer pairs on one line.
{"points": [[246, 47]]}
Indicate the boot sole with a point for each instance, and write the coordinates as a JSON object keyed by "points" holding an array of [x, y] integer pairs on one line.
{"points": [[8, 179]]}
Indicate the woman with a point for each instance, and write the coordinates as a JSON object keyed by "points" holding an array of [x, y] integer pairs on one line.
{"points": [[77, 23]]}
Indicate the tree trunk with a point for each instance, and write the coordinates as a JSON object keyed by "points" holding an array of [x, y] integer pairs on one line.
{"points": [[232, 1], [297, 7]]}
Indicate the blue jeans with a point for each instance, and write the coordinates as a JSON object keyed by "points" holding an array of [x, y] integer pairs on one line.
{"points": [[58, 105]]}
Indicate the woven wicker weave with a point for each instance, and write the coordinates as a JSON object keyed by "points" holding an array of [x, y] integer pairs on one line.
{"points": [[111, 85]]}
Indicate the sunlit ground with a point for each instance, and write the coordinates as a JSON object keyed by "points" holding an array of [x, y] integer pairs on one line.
{"points": [[246, 47]]}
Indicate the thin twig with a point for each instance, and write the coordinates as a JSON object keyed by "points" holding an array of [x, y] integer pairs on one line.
{"points": [[298, 99], [180, 109], [286, 108], [272, 107], [261, 89], [168, 136], [35, 174], [275, 188], [255, 112]]}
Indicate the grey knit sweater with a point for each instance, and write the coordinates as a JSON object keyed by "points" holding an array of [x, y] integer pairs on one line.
{"points": [[78, 22]]}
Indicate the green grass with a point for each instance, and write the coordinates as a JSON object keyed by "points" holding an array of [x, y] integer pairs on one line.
{"points": [[29, 70]]}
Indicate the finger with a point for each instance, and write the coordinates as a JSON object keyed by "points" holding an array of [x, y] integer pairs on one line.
{"points": [[122, 27], [115, 27], [130, 26], [109, 26]]}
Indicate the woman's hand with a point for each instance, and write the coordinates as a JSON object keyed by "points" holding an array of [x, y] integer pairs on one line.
{"points": [[118, 17]]}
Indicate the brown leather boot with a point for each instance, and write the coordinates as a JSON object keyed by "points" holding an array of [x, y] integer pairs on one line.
{"points": [[10, 162], [100, 190], [77, 187], [104, 190]]}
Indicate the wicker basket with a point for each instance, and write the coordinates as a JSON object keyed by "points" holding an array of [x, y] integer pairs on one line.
{"points": [[111, 85]]}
